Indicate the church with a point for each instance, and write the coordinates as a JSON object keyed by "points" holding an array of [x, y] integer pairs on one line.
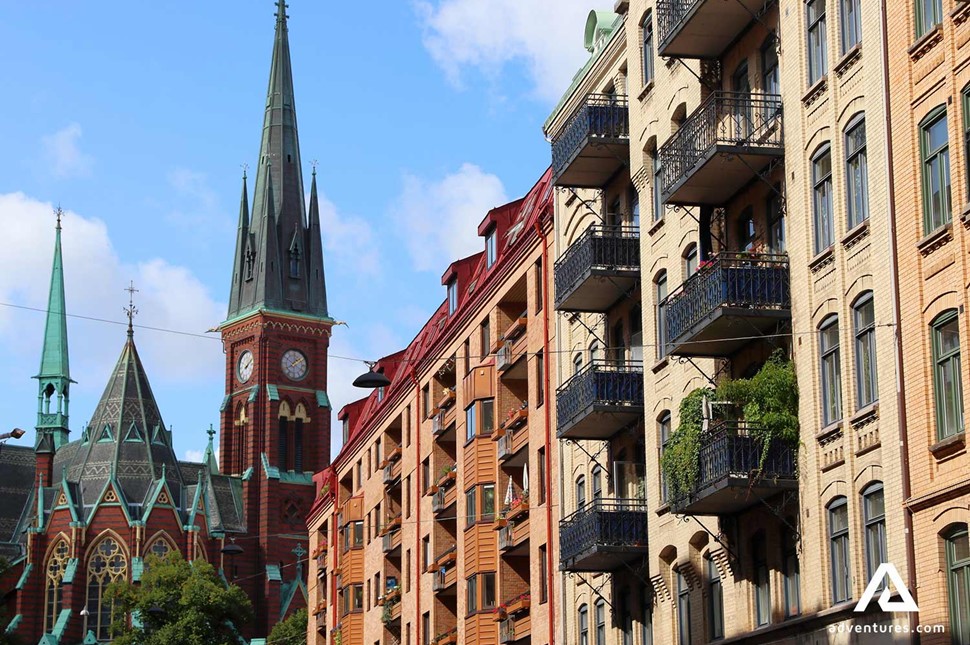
{"points": [[82, 509]]}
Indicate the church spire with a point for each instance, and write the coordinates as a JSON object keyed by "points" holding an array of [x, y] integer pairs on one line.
{"points": [[55, 373], [269, 271]]}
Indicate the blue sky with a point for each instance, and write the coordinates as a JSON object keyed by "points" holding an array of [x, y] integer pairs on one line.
{"points": [[137, 118]]}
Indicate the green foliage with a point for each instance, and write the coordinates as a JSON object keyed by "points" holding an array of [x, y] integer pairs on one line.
{"points": [[679, 458], [767, 402], [291, 631], [177, 602]]}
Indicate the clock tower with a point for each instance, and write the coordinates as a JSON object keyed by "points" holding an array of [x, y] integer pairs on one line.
{"points": [[275, 416]]}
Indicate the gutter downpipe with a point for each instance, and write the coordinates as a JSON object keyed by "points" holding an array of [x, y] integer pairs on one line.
{"points": [[897, 335], [421, 486], [551, 593]]}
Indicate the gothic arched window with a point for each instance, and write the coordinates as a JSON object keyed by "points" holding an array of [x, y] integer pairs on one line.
{"points": [[108, 563], [54, 585]]}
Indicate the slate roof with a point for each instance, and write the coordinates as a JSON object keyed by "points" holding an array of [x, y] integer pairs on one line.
{"points": [[16, 487]]}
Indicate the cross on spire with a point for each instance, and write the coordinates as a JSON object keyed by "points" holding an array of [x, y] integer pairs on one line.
{"points": [[131, 310]]}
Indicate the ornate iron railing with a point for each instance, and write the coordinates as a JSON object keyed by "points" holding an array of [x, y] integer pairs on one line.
{"points": [[601, 116], [599, 247], [603, 382], [749, 280], [729, 449], [670, 16], [603, 522], [736, 119]]}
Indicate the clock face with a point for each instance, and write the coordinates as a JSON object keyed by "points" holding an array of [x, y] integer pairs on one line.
{"points": [[245, 366], [294, 364]]}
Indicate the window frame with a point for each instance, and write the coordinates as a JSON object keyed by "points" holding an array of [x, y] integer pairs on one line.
{"points": [[850, 24], [683, 609], [856, 163], [941, 361], [864, 333], [817, 37], [839, 551], [452, 291], [830, 380], [874, 530], [823, 216], [661, 292], [491, 247], [929, 168], [955, 569], [715, 599], [770, 71], [647, 49], [923, 26]]}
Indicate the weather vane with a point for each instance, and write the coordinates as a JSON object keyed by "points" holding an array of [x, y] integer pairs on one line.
{"points": [[131, 310]]}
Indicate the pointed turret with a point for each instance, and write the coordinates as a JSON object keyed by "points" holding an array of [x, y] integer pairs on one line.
{"points": [[55, 373], [240, 269], [209, 458], [314, 259], [283, 277]]}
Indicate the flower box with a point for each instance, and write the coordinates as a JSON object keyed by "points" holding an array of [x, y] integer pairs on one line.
{"points": [[519, 605], [517, 328], [447, 400], [500, 523], [515, 418], [517, 508]]}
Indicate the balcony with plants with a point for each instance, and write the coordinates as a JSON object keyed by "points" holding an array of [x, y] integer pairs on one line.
{"points": [[390, 602], [702, 28], [730, 299], [598, 269], [737, 449], [599, 400], [445, 571], [515, 619], [512, 521], [721, 147], [594, 143], [512, 434]]}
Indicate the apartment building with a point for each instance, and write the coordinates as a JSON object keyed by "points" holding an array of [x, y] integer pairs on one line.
{"points": [[928, 57], [435, 522], [599, 377]]}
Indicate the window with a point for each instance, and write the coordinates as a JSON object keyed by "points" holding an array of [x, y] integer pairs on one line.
{"points": [[864, 319], [54, 581], [770, 81], [683, 610], [544, 579], [471, 594], [488, 590], [284, 441], [380, 394], [490, 248], [790, 572], [426, 628], [663, 431], [851, 24], [856, 173], [470, 422], [488, 502], [452, 297], [583, 625], [935, 151], [541, 477], [828, 335], [646, 28], [486, 339], [762, 583], [817, 57], [577, 363], [540, 379], [407, 497], [407, 570], [715, 599], [776, 222], [600, 622], [488, 416], [108, 563], [966, 128], [822, 199], [690, 260], [874, 516], [358, 532], [947, 378], [426, 400], [929, 13], [747, 234], [634, 207], [618, 342], [646, 627], [425, 552], [540, 282], [597, 480], [958, 581], [660, 286], [595, 352], [580, 492], [470, 514], [658, 210], [426, 473], [839, 550]]}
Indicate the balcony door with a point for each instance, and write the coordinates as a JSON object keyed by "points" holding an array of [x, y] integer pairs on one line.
{"points": [[741, 109]]}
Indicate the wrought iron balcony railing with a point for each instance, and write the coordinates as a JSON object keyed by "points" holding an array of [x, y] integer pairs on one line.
{"points": [[603, 535], [702, 28], [734, 471], [700, 315], [594, 131], [600, 399], [725, 124], [590, 274]]}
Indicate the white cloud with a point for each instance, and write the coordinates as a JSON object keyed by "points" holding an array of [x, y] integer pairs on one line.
{"points": [[547, 35], [197, 209], [439, 219], [194, 455], [169, 297], [62, 153], [348, 241]]}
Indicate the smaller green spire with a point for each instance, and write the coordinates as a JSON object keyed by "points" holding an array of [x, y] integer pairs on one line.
{"points": [[209, 459]]}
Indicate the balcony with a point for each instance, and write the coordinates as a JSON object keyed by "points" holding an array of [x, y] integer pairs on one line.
{"points": [[599, 400], [604, 535], [445, 572], [443, 424], [720, 148], [702, 28], [726, 302], [392, 473], [598, 269], [509, 361], [513, 536], [731, 476], [449, 637], [392, 542], [444, 498], [515, 624], [595, 143], [320, 618], [512, 437]]}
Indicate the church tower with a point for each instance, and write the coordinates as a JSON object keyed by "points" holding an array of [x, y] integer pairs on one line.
{"points": [[54, 379], [276, 414]]}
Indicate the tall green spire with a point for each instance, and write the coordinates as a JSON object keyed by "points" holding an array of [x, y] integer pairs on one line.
{"points": [[276, 267], [54, 378]]}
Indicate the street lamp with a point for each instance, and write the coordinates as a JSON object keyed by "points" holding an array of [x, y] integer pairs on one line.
{"points": [[16, 433], [372, 379]]}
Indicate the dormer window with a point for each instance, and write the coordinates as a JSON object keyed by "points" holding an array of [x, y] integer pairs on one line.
{"points": [[346, 429], [491, 252], [452, 296], [295, 262], [380, 394]]}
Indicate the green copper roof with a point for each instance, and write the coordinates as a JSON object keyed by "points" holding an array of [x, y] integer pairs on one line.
{"points": [[278, 260], [54, 360]]}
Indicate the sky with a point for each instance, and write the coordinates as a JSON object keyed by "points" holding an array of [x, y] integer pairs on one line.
{"points": [[137, 119]]}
